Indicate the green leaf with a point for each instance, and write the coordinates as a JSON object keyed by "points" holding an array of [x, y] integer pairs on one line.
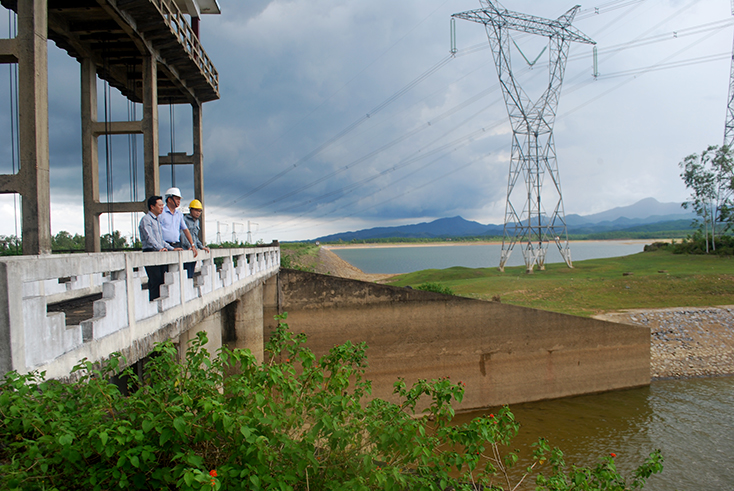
{"points": [[166, 435], [180, 425], [147, 425], [255, 481], [189, 478], [104, 437]]}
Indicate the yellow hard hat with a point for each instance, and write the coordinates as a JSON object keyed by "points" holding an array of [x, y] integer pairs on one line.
{"points": [[196, 204]]}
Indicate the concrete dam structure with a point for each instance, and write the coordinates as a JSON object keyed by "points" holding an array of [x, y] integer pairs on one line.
{"points": [[503, 353]]}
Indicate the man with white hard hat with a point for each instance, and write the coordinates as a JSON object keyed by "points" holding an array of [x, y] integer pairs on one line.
{"points": [[172, 221]]}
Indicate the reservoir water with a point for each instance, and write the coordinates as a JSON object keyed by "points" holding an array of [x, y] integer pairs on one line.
{"points": [[691, 421], [406, 259]]}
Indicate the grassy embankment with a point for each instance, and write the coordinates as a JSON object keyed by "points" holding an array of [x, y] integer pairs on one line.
{"points": [[658, 279], [299, 255]]}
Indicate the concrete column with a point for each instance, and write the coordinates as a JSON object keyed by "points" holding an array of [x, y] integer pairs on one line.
{"points": [[271, 303], [248, 323], [196, 110], [150, 126], [33, 130], [90, 156]]}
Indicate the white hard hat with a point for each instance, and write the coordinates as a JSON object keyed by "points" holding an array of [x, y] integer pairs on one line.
{"points": [[173, 192]]}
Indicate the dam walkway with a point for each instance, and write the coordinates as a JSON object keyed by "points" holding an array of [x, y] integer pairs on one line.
{"points": [[34, 335]]}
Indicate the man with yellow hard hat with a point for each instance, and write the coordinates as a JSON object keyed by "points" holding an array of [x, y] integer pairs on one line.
{"points": [[192, 223]]}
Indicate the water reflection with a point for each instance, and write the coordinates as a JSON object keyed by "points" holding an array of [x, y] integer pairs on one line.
{"points": [[691, 421]]}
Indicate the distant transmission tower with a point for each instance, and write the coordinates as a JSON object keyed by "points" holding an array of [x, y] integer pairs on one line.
{"points": [[533, 146], [729, 128]]}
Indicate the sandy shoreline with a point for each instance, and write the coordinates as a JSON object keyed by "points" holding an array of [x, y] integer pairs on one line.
{"points": [[459, 243]]}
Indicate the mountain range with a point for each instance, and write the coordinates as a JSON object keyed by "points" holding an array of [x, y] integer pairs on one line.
{"points": [[645, 215]]}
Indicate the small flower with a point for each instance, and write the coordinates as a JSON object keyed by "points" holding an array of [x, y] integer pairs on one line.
{"points": [[491, 415], [213, 473], [213, 483], [613, 454], [287, 360]]}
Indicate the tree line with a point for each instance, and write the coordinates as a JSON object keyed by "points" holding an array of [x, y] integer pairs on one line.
{"points": [[709, 176]]}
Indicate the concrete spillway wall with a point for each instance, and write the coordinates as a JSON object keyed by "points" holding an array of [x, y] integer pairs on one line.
{"points": [[503, 353]]}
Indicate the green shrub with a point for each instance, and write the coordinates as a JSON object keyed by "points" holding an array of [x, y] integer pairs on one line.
{"points": [[657, 246], [230, 423], [436, 288], [697, 245]]}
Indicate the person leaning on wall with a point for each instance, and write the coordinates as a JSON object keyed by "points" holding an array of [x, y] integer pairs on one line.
{"points": [[151, 236], [192, 223], [173, 225]]}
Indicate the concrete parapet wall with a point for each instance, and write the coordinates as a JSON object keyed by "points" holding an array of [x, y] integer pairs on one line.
{"points": [[503, 353], [124, 320]]}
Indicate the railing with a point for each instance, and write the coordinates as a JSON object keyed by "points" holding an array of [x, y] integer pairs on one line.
{"points": [[33, 338], [176, 21]]}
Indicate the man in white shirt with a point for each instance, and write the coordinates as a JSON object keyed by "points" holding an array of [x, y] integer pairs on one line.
{"points": [[173, 225]]}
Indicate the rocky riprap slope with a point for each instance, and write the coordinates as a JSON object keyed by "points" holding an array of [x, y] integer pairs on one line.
{"points": [[686, 342]]}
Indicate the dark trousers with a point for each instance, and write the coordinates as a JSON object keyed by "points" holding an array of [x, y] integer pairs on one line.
{"points": [[156, 277]]}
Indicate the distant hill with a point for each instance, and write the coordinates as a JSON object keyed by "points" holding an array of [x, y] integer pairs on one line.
{"points": [[645, 215]]}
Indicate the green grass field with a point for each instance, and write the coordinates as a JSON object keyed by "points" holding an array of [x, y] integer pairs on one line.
{"points": [[646, 280]]}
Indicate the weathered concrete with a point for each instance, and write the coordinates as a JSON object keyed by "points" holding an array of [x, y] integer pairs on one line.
{"points": [[248, 323], [124, 320], [503, 353], [29, 50]]}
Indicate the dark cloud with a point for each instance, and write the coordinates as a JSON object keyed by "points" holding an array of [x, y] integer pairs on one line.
{"points": [[290, 146]]}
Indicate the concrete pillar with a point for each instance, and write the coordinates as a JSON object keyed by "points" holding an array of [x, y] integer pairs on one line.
{"points": [[150, 126], [90, 156], [248, 323], [212, 326], [196, 110], [33, 130], [271, 303]]}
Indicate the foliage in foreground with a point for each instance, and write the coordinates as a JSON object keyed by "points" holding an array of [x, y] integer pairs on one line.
{"points": [[295, 423]]}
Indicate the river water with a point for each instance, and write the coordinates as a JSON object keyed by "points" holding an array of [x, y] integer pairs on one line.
{"points": [[406, 259], [691, 421]]}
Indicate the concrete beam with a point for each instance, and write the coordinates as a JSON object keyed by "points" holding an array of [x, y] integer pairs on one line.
{"points": [[99, 208], [8, 51], [9, 183], [176, 158], [117, 128]]}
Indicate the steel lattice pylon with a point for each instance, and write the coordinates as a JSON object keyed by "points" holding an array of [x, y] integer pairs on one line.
{"points": [[533, 146], [729, 127]]}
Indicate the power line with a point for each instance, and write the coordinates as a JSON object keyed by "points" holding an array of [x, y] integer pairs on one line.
{"points": [[349, 128]]}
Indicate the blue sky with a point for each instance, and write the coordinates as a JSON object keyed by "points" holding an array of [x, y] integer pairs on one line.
{"points": [[342, 115]]}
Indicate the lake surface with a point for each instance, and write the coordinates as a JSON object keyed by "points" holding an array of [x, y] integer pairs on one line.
{"points": [[405, 259], [691, 421]]}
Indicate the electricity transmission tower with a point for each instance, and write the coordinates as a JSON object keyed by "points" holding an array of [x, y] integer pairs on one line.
{"points": [[729, 128], [527, 222]]}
